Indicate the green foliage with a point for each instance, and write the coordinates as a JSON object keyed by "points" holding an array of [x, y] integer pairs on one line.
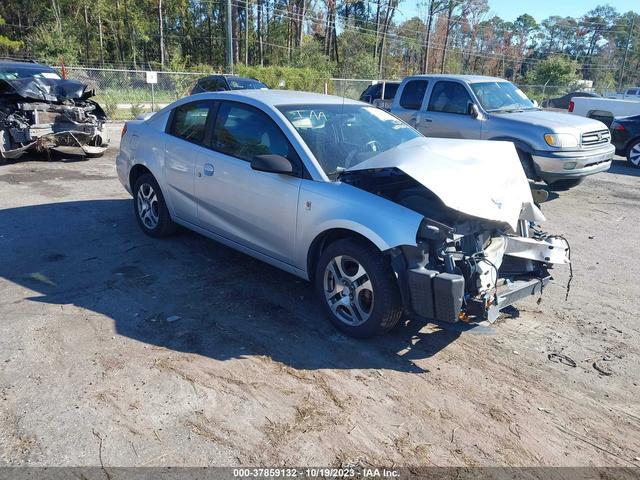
{"points": [[50, 45], [136, 109], [7, 44], [555, 70]]}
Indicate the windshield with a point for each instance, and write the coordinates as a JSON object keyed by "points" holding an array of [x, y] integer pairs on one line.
{"points": [[245, 84], [501, 97], [341, 136], [15, 72]]}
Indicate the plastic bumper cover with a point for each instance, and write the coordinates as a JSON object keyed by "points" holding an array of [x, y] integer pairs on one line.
{"points": [[569, 165]]}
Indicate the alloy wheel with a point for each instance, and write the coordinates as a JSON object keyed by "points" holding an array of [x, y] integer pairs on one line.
{"points": [[634, 155], [148, 206], [348, 290]]}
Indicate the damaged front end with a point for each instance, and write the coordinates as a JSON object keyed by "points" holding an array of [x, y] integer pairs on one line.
{"points": [[471, 261], [44, 114]]}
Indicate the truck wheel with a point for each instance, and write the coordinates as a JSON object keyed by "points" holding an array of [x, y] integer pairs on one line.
{"points": [[150, 208], [527, 165], [633, 154], [357, 289]]}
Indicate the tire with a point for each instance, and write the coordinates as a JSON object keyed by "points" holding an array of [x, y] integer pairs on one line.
{"points": [[154, 220], [527, 165], [633, 154], [368, 303], [562, 185]]}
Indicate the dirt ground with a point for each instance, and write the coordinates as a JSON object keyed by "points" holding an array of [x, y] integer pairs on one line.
{"points": [[252, 374]]}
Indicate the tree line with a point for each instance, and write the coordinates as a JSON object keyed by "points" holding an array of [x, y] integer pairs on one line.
{"points": [[343, 38]]}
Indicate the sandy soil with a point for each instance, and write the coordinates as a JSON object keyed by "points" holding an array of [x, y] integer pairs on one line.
{"points": [[251, 373]]}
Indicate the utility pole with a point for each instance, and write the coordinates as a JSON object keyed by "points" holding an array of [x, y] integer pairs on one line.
{"points": [[229, 49], [626, 51]]}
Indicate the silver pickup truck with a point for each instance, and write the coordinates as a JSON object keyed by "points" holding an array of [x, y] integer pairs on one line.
{"points": [[555, 147]]}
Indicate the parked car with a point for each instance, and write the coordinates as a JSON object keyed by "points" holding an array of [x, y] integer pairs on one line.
{"points": [[373, 94], [381, 219], [603, 109], [563, 101], [39, 110], [554, 147], [625, 135], [220, 83]]}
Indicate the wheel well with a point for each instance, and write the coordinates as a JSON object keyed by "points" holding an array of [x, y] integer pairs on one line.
{"points": [[135, 173], [322, 241]]}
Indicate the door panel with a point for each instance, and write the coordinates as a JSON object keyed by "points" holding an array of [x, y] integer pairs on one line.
{"points": [[184, 136], [447, 113], [256, 209]]}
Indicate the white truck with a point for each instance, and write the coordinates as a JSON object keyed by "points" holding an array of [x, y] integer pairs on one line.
{"points": [[629, 94], [603, 109]]}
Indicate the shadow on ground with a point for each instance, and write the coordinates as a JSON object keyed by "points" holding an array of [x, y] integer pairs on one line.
{"points": [[622, 167], [92, 254]]}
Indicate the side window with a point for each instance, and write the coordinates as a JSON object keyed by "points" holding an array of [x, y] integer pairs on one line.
{"points": [[449, 97], [189, 121], [244, 132], [413, 94]]}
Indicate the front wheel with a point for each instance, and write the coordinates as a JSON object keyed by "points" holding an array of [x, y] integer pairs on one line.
{"points": [[150, 208], [633, 154], [357, 289]]}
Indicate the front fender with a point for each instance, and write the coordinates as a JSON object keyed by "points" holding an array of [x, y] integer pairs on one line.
{"points": [[325, 206]]}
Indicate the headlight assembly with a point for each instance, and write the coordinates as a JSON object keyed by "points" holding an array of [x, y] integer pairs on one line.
{"points": [[561, 140]]}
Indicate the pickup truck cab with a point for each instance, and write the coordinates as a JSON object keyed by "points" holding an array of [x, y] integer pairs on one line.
{"points": [[557, 148]]}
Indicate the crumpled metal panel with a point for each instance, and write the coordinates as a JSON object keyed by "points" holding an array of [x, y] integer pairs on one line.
{"points": [[480, 178]]}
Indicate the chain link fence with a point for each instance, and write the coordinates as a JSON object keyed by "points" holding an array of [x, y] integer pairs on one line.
{"points": [[125, 94]]}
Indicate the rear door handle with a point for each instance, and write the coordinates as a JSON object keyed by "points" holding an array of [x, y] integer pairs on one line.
{"points": [[427, 120], [208, 169]]}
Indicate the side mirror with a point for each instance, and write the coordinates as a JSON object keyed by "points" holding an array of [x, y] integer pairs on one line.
{"points": [[474, 111], [535, 103], [272, 164]]}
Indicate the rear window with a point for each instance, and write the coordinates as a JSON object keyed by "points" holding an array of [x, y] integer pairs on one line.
{"points": [[413, 94], [190, 120], [245, 84]]}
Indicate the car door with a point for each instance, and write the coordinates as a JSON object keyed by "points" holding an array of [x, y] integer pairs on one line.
{"points": [[185, 137], [448, 112], [255, 209], [411, 100]]}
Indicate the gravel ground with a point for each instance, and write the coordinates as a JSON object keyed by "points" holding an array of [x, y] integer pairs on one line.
{"points": [[248, 372]]}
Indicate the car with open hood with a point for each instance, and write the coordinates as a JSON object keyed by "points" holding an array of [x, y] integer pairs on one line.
{"points": [[41, 111], [382, 220]]}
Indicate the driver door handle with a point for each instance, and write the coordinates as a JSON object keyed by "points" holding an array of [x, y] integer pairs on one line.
{"points": [[208, 169]]}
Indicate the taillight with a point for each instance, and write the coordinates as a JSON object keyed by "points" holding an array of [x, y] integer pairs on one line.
{"points": [[618, 126], [571, 105], [124, 130]]}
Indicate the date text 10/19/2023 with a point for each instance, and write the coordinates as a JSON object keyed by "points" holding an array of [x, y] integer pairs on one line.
{"points": [[315, 472]]}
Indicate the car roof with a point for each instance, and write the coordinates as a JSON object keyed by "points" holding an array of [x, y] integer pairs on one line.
{"points": [[464, 78], [275, 98], [11, 64]]}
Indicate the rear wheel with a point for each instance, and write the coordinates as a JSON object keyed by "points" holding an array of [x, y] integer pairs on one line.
{"points": [[633, 154], [357, 289], [150, 208]]}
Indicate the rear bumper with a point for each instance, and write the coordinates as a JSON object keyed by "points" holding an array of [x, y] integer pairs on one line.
{"points": [[553, 166]]}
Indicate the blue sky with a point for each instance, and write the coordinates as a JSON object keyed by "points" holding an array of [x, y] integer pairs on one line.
{"points": [[539, 9]]}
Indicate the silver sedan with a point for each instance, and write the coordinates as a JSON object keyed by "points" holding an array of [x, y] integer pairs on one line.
{"points": [[382, 220]]}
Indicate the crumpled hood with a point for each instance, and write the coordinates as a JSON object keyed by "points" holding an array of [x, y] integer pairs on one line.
{"points": [[47, 89], [480, 178]]}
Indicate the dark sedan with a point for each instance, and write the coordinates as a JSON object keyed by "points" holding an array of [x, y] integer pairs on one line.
{"points": [[563, 102], [219, 83], [625, 135]]}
